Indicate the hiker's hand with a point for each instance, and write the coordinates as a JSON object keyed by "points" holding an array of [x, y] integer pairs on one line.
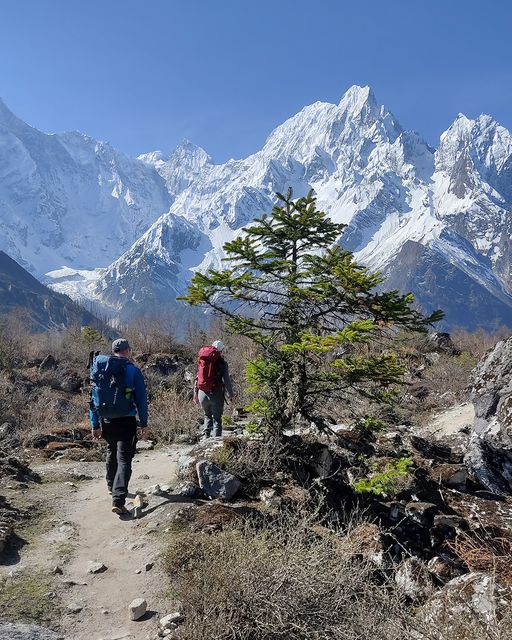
{"points": [[143, 433], [96, 433]]}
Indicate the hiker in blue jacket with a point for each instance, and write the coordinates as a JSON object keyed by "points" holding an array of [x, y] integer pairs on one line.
{"points": [[121, 432]]}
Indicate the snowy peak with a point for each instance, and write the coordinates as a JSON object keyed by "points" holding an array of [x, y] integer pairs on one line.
{"points": [[336, 129], [181, 168], [438, 223], [474, 151]]}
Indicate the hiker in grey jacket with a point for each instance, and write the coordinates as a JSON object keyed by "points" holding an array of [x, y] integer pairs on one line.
{"points": [[212, 402]]}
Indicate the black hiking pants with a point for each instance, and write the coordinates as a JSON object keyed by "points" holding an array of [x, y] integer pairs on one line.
{"points": [[121, 437]]}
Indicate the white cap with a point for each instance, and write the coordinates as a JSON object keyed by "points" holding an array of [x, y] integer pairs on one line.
{"points": [[218, 344]]}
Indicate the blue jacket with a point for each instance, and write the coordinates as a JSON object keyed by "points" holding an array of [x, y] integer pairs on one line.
{"points": [[135, 380]]}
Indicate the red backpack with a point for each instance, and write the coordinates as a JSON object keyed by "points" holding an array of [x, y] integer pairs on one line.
{"points": [[208, 374]]}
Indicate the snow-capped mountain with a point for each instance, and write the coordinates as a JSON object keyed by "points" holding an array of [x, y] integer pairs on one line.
{"points": [[437, 222], [68, 200]]}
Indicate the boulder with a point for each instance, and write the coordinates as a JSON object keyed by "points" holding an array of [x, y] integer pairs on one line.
{"points": [[414, 579], [145, 445], [490, 447], [11, 631], [453, 476], [440, 341], [215, 482], [472, 599], [48, 364], [421, 512]]}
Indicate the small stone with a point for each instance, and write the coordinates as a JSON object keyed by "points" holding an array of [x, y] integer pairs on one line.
{"points": [[143, 476], [96, 567], [148, 566], [71, 484], [165, 488], [57, 571], [105, 612], [154, 489], [137, 608], [74, 608], [171, 619], [137, 571], [188, 490], [145, 445]]}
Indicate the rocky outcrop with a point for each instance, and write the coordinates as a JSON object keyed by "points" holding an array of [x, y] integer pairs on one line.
{"points": [[490, 449], [9, 631]]}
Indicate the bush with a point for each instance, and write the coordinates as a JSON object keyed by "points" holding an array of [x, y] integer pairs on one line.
{"points": [[284, 582], [256, 463], [172, 413]]}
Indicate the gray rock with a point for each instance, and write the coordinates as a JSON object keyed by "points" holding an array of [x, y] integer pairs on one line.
{"points": [[215, 482], [474, 598], [74, 608], [421, 512], [453, 476], [48, 364], [148, 566], [154, 490], [137, 608], [490, 446], [10, 631], [414, 580], [188, 490], [96, 567], [145, 445], [57, 571], [171, 620], [186, 466]]}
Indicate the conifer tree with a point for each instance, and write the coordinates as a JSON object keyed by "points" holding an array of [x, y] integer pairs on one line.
{"points": [[311, 308]]}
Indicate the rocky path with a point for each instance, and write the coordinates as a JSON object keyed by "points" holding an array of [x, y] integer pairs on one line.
{"points": [[83, 533]]}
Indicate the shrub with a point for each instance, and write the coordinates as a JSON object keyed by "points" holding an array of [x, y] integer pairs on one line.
{"points": [[385, 482], [281, 582]]}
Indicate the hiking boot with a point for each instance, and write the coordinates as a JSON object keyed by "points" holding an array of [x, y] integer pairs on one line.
{"points": [[120, 510]]}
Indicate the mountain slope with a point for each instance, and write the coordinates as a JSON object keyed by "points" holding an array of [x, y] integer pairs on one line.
{"points": [[393, 191], [437, 222], [42, 308], [66, 199]]}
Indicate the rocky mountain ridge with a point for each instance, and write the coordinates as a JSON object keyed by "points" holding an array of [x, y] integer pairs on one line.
{"points": [[437, 222]]}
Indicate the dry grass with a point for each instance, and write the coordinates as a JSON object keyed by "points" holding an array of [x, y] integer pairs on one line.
{"points": [[173, 413], [256, 463], [280, 582], [485, 553]]}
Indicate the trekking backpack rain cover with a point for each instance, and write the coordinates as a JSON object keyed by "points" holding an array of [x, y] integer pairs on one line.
{"points": [[208, 375], [111, 392]]}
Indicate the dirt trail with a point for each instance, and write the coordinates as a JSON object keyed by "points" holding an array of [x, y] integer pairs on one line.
{"points": [[451, 420], [84, 530]]}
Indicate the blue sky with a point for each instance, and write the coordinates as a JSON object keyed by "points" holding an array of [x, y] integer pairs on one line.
{"points": [[224, 73]]}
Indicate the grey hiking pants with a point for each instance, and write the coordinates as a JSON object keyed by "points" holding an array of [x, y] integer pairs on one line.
{"points": [[213, 407]]}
